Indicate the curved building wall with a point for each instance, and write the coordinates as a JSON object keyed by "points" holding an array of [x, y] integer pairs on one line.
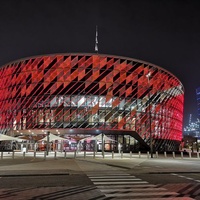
{"points": [[90, 92]]}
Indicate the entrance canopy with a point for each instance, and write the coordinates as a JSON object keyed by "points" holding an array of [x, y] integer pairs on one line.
{"points": [[6, 137], [53, 137], [98, 138]]}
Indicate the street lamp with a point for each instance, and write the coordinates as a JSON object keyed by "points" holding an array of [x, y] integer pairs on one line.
{"points": [[47, 147], [151, 144], [102, 138]]}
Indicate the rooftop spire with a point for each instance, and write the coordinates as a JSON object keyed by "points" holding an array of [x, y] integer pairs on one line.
{"points": [[96, 40]]}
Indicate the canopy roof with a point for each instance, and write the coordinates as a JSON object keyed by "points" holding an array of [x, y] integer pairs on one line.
{"points": [[7, 137], [52, 137], [98, 138]]}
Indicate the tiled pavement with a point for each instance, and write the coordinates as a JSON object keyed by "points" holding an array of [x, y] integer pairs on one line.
{"points": [[51, 193], [108, 184], [184, 189]]}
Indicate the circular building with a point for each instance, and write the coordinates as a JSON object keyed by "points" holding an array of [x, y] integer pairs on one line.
{"points": [[133, 102]]}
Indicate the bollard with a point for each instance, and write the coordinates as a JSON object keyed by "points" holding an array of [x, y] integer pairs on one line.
{"points": [[197, 154], [94, 154], [121, 154], [74, 154], [156, 154], [1, 155], [84, 154], [34, 154], [165, 154], [148, 154], [181, 154], [13, 155], [65, 155], [45, 155], [139, 153], [190, 155], [55, 154], [131, 154], [112, 154], [173, 153], [23, 155]]}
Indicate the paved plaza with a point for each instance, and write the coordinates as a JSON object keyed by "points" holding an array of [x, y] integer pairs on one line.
{"points": [[87, 176]]}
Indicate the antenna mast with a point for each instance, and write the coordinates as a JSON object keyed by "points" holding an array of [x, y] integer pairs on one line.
{"points": [[96, 41]]}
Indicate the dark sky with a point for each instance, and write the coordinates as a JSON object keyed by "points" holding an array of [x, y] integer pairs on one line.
{"points": [[162, 32]]}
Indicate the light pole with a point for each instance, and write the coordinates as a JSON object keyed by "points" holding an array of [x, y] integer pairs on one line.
{"points": [[150, 131], [102, 138], [47, 147]]}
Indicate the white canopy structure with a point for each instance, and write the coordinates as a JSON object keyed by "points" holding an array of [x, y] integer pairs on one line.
{"points": [[6, 137], [98, 138], [52, 137]]}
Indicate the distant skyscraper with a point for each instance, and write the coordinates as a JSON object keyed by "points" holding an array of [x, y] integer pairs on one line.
{"points": [[190, 118], [96, 40], [198, 100]]}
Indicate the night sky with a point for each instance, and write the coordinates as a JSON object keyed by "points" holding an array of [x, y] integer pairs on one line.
{"points": [[162, 32]]}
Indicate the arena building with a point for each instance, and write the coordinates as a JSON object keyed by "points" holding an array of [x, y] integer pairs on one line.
{"points": [[78, 95]]}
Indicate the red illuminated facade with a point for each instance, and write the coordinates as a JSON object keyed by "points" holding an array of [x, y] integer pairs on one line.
{"points": [[87, 93]]}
